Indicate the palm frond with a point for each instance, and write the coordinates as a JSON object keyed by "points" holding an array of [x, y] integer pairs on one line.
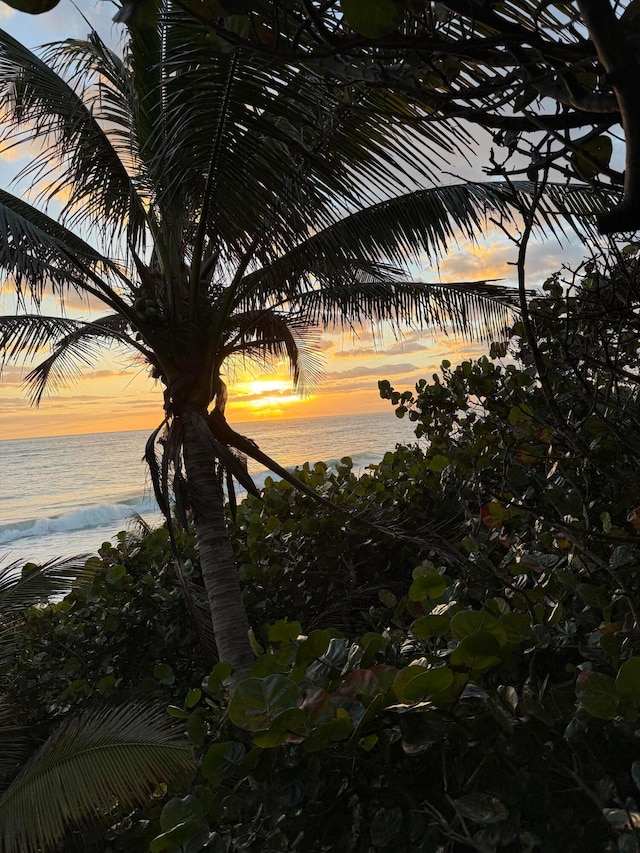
{"points": [[40, 104], [466, 309], [76, 344], [378, 242], [13, 741], [95, 763], [158, 466], [41, 253], [349, 272], [267, 336], [289, 150], [78, 349], [197, 602], [24, 335], [22, 587]]}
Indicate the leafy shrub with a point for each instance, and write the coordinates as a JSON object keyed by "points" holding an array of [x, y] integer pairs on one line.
{"points": [[493, 702], [454, 663], [126, 633]]}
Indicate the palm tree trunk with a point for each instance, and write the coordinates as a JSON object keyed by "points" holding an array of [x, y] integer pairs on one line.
{"points": [[217, 560]]}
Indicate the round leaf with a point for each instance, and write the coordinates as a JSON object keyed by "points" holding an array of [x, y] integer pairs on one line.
{"points": [[428, 683], [597, 694], [258, 701], [467, 622], [477, 652]]}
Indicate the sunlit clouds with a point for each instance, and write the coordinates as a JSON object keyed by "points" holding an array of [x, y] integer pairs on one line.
{"points": [[496, 258], [119, 394]]}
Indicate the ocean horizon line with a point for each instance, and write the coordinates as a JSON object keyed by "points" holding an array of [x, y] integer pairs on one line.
{"points": [[231, 422]]}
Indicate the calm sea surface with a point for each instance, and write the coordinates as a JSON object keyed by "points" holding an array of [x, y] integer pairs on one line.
{"points": [[66, 495]]}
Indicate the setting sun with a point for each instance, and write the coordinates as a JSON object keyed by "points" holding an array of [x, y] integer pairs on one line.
{"points": [[264, 386]]}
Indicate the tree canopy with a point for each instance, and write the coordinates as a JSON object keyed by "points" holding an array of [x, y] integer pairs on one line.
{"points": [[553, 82]]}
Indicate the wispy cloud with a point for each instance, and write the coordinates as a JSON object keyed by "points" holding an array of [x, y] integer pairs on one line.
{"points": [[364, 370], [496, 257]]}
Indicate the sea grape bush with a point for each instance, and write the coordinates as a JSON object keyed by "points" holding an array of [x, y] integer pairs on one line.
{"points": [[127, 633], [453, 662], [305, 562], [504, 682]]}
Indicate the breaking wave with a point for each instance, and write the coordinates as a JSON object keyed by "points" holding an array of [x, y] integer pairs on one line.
{"points": [[80, 519]]}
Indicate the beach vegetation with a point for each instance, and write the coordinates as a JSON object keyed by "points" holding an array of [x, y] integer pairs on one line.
{"points": [[452, 663], [221, 208], [59, 769]]}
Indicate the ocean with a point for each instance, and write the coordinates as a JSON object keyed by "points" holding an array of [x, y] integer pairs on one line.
{"points": [[66, 495]]}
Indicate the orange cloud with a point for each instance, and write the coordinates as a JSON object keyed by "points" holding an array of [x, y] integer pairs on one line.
{"points": [[495, 258]]}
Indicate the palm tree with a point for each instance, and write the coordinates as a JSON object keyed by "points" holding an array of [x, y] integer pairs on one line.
{"points": [[221, 207], [93, 761]]}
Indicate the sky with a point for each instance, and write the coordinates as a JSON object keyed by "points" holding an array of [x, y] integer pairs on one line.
{"points": [[119, 395]]}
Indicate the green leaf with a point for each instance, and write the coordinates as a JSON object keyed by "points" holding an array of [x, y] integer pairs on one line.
{"points": [[334, 730], [258, 701], [115, 575], [597, 694], [196, 728], [193, 697], [367, 743], [213, 762], [628, 680], [481, 809], [178, 810], [437, 463], [477, 652], [421, 731], [291, 721], [519, 415], [431, 626], [175, 711], [592, 157], [105, 684], [371, 644], [313, 648], [214, 684], [517, 627], [428, 683], [283, 631], [371, 18], [183, 825], [467, 622], [218, 756], [267, 665], [404, 676], [360, 683], [493, 514], [386, 675], [430, 586], [163, 673]]}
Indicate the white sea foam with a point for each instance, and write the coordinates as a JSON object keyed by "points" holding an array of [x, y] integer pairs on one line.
{"points": [[66, 495], [81, 519]]}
